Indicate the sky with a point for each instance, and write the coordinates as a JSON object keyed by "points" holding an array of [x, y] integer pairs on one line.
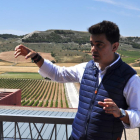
{"points": [[21, 17]]}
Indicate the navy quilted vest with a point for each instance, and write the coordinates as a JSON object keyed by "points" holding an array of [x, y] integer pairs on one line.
{"points": [[91, 122]]}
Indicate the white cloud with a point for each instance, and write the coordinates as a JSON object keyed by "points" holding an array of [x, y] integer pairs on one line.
{"points": [[126, 6], [131, 7], [15, 32], [107, 1]]}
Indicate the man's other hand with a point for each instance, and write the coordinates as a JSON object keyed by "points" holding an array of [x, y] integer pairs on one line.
{"points": [[110, 107]]}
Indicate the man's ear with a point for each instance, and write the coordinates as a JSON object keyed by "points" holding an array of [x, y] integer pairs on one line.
{"points": [[115, 46]]}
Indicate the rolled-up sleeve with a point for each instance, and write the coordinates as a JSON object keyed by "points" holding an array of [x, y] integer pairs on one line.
{"points": [[132, 95], [62, 74]]}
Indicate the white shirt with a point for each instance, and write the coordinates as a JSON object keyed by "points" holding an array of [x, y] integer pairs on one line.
{"points": [[75, 73]]}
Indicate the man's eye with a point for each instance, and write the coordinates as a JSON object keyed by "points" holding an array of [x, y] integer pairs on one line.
{"points": [[92, 44], [98, 45]]}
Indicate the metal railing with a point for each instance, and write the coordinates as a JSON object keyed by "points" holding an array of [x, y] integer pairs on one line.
{"points": [[54, 121], [33, 121]]}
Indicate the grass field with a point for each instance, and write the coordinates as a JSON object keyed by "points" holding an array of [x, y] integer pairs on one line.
{"points": [[129, 56], [21, 75]]}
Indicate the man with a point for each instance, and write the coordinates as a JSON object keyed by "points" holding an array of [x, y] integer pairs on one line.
{"points": [[109, 94]]}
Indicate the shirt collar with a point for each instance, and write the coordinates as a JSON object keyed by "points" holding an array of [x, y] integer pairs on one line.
{"points": [[103, 72]]}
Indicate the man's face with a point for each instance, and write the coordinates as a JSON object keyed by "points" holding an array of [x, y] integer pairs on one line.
{"points": [[102, 50]]}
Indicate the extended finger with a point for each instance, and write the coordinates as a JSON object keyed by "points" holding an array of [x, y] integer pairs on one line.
{"points": [[106, 104], [108, 100], [30, 55], [18, 47], [101, 103], [17, 51], [109, 103], [17, 54], [109, 108]]}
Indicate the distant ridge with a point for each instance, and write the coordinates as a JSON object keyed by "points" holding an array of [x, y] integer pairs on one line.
{"points": [[57, 36], [30, 34], [67, 46]]}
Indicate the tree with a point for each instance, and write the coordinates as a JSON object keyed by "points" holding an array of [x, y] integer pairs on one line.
{"points": [[53, 54]]}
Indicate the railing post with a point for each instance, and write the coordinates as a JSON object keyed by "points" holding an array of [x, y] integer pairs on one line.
{"points": [[30, 131], [55, 131], [18, 130], [139, 133], [15, 130], [66, 132], [1, 130], [52, 132]]}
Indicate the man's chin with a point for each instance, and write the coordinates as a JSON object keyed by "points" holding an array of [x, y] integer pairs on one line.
{"points": [[95, 60]]}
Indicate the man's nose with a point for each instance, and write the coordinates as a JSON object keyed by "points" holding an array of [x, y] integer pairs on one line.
{"points": [[93, 48]]}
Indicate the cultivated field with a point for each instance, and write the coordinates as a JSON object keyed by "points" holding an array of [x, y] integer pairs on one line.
{"points": [[41, 93], [22, 74]]}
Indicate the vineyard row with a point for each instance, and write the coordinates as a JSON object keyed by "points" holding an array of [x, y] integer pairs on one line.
{"points": [[42, 93]]}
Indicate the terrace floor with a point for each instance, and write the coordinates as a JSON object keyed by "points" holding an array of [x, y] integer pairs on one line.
{"points": [[36, 123], [46, 132]]}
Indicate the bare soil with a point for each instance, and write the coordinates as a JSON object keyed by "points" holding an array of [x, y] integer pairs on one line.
{"points": [[51, 96], [10, 57], [59, 95], [18, 69], [63, 97]]}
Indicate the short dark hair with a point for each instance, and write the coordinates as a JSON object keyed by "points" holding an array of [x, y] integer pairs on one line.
{"points": [[110, 29]]}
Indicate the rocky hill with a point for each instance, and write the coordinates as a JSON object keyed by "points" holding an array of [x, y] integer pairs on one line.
{"points": [[65, 45], [57, 36]]}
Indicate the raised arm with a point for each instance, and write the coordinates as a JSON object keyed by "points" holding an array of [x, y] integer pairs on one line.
{"points": [[28, 53], [47, 69]]}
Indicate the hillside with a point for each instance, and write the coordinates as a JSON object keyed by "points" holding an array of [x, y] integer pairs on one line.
{"points": [[67, 46], [9, 57], [57, 36]]}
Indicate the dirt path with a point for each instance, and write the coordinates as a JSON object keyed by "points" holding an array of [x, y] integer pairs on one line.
{"points": [[72, 94], [131, 134]]}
